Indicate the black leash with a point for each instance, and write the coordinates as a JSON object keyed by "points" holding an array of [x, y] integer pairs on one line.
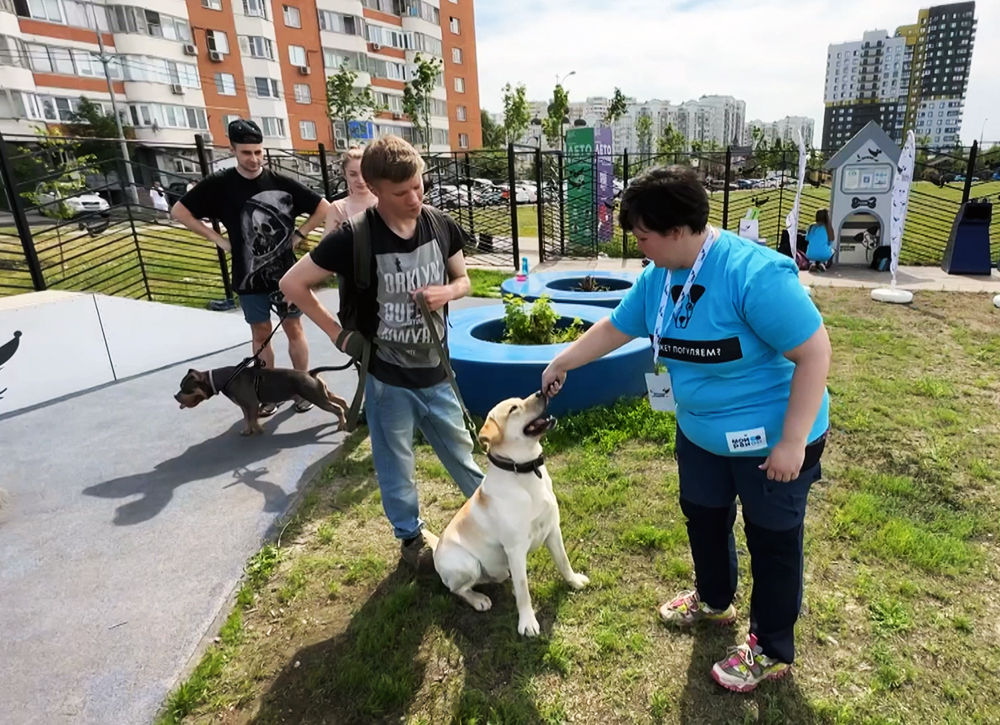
{"points": [[282, 309]]}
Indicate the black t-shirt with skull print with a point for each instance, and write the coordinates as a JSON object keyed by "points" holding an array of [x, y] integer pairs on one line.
{"points": [[259, 216]]}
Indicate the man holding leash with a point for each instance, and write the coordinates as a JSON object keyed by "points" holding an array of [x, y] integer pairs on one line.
{"points": [[258, 207], [414, 250]]}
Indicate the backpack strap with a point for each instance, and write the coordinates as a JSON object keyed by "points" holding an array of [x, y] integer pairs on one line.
{"points": [[362, 230]]}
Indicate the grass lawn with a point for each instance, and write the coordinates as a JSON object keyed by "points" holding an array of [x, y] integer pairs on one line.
{"points": [[899, 623]]}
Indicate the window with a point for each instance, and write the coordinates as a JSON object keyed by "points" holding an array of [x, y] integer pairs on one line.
{"points": [[463, 140], [62, 61], [460, 113], [455, 26], [217, 41], [212, 4], [254, 8], [456, 55], [335, 59], [225, 84], [265, 87], [273, 127], [45, 10], [292, 17], [386, 36], [459, 85], [303, 93], [337, 23], [307, 129], [87, 65], [297, 55], [226, 120], [257, 47]]}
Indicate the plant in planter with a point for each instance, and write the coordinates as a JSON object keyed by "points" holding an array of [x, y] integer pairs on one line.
{"points": [[590, 284], [537, 324]]}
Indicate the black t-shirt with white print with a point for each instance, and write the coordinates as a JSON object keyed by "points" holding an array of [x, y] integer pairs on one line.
{"points": [[386, 310], [259, 215]]}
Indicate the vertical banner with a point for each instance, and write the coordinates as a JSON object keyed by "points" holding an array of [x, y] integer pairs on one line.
{"points": [[605, 184], [580, 189], [900, 201], [792, 220]]}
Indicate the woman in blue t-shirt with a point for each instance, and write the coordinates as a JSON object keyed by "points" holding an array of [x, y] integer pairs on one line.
{"points": [[747, 356], [819, 242]]}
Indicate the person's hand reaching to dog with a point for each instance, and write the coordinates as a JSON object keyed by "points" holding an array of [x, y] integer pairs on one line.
{"points": [[553, 378]]}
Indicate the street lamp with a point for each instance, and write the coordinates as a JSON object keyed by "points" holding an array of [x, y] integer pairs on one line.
{"points": [[559, 82], [537, 123]]}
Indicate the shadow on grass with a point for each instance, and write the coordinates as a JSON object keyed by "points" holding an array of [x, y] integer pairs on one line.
{"points": [[704, 701], [413, 648]]}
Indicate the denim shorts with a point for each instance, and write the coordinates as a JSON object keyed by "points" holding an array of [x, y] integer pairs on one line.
{"points": [[257, 308]]}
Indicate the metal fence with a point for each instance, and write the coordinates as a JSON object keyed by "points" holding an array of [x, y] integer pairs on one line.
{"points": [[76, 212]]}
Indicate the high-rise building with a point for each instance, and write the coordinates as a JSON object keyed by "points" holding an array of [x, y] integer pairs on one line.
{"points": [[784, 130], [916, 79], [191, 66], [711, 120]]}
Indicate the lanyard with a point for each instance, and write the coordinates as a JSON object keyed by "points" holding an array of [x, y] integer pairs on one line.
{"points": [[710, 240]]}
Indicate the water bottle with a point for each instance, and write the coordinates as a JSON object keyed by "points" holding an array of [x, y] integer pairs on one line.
{"points": [[522, 276]]}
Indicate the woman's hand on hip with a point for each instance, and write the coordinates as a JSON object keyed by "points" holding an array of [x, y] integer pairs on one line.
{"points": [[785, 462], [553, 378]]}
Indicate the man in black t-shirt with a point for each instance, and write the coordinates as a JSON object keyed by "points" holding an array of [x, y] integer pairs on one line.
{"points": [[258, 208], [405, 389]]}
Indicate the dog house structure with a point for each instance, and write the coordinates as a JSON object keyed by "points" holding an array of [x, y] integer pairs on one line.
{"points": [[861, 197]]}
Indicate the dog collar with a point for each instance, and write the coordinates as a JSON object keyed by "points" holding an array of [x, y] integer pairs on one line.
{"points": [[508, 465], [211, 383]]}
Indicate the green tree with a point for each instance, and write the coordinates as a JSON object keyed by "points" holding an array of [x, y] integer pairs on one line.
{"points": [[88, 123], [346, 103], [670, 142], [552, 124], [417, 95], [644, 130], [492, 133], [516, 113], [617, 108]]}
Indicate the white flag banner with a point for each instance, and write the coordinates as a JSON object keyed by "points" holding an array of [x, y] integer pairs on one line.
{"points": [[900, 200], [792, 220]]}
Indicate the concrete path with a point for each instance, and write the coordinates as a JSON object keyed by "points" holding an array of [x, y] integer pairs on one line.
{"points": [[126, 529]]}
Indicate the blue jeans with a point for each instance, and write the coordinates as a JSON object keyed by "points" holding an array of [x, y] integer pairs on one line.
{"points": [[394, 414]]}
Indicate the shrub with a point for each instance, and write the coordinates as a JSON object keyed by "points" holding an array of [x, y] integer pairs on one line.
{"points": [[537, 324]]}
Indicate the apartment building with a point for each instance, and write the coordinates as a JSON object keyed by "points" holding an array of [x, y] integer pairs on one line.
{"points": [[718, 120], [783, 129], [191, 66], [915, 79]]}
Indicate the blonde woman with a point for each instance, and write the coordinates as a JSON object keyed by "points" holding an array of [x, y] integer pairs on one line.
{"points": [[359, 196]]}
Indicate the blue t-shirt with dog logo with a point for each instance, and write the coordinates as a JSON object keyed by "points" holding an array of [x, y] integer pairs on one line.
{"points": [[724, 351]]}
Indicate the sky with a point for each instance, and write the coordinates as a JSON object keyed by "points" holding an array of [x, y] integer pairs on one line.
{"points": [[769, 53]]}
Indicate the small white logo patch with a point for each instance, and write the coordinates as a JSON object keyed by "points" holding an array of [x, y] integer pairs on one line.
{"points": [[747, 440]]}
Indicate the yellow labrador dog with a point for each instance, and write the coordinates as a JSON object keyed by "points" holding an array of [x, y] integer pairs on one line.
{"points": [[512, 513]]}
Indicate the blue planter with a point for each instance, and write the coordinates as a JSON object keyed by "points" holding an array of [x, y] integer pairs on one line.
{"points": [[489, 372], [562, 286]]}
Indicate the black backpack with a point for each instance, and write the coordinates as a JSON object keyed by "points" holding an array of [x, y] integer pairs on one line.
{"points": [[361, 227]]}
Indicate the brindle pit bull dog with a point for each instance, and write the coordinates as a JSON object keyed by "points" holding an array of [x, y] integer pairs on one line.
{"points": [[275, 386]]}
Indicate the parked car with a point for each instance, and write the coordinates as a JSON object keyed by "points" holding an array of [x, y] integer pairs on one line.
{"points": [[176, 190], [85, 203]]}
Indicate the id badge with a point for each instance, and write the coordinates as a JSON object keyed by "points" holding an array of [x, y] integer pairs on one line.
{"points": [[661, 392]]}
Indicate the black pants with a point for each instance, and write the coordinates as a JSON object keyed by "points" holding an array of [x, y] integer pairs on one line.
{"points": [[773, 514]]}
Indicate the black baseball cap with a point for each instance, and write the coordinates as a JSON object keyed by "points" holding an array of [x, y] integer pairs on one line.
{"points": [[245, 131]]}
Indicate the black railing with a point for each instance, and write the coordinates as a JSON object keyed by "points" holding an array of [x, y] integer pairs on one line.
{"points": [[70, 221]]}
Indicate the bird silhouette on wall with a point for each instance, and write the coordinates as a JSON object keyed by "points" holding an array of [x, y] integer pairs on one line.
{"points": [[7, 351]]}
